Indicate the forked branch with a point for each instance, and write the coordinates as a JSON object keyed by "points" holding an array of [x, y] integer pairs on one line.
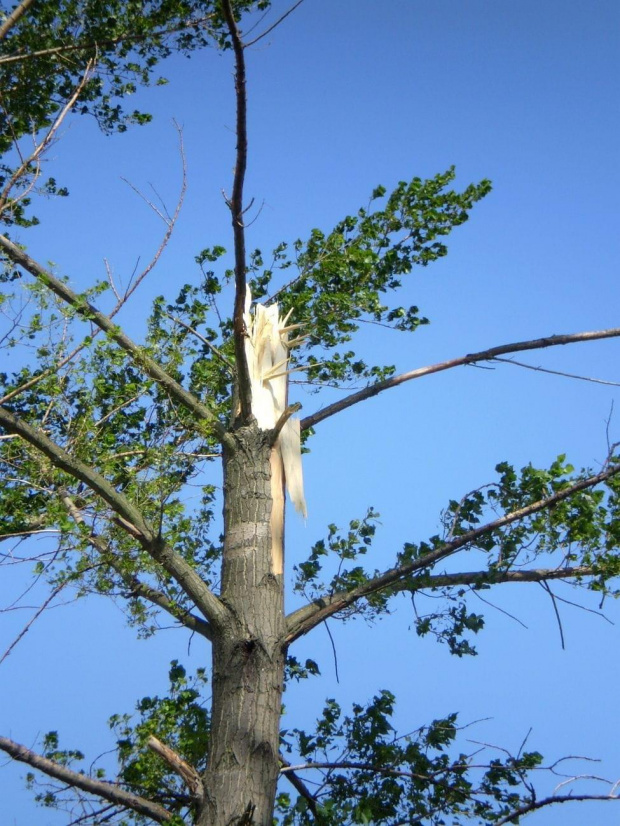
{"points": [[534, 805], [471, 358], [307, 617], [107, 791]]}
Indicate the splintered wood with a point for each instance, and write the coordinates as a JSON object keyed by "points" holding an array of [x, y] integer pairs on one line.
{"points": [[267, 349]]}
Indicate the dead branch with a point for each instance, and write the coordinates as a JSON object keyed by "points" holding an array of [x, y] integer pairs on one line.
{"points": [[273, 26], [307, 617], [471, 358], [100, 788], [188, 773], [121, 300], [235, 204], [44, 144], [32, 620], [534, 805], [558, 372]]}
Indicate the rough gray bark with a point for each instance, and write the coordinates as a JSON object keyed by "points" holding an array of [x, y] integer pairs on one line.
{"points": [[249, 651]]}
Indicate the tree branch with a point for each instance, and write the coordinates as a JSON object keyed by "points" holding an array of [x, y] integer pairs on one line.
{"points": [[309, 616], [100, 788], [272, 27], [471, 358], [236, 209], [81, 471], [493, 577], [40, 148], [549, 801], [298, 784], [138, 588], [187, 773], [130, 517], [13, 18], [131, 287], [74, 47], [140, 358]]}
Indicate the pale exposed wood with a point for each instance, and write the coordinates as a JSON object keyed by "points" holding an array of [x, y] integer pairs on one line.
{"points": [[188, 773]]}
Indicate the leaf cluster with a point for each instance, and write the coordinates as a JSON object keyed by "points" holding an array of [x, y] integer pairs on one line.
{"points": [[362, 772]]}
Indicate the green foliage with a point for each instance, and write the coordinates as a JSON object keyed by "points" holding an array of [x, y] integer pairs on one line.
{"points": [[111, 48], [85, 394], [180, 721], [362, 772], [343, 276]]}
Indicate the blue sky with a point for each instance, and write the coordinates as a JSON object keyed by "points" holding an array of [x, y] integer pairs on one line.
{"points": [[343, 96]]}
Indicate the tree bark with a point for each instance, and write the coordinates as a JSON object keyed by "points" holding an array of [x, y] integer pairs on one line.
{"points": [[249, 650]]}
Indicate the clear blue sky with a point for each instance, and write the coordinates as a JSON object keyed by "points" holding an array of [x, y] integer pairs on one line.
{"points": [[344, 96]]}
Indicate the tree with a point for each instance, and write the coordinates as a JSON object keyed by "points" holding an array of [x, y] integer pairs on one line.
{"points": [[104, 436]]}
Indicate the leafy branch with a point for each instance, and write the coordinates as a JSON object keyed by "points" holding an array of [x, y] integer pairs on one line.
{"points": [[90, 313], [309, 616]]}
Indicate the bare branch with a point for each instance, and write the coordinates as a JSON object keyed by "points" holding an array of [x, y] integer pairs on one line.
{"points": [[40, 148], [471, 358], [298, 784], [138, 355], [274, 25], [476, 578], [235, 204], [559, 373], [30, 622], [107, 791], [188, 773], [13, 18], [170, 222], [307, 617], [121, 300], [533, 805]]}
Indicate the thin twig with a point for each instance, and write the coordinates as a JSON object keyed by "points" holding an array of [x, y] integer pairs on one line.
{"points": [[215, 350], [558, 372], [33, 619], [547, 588]]}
